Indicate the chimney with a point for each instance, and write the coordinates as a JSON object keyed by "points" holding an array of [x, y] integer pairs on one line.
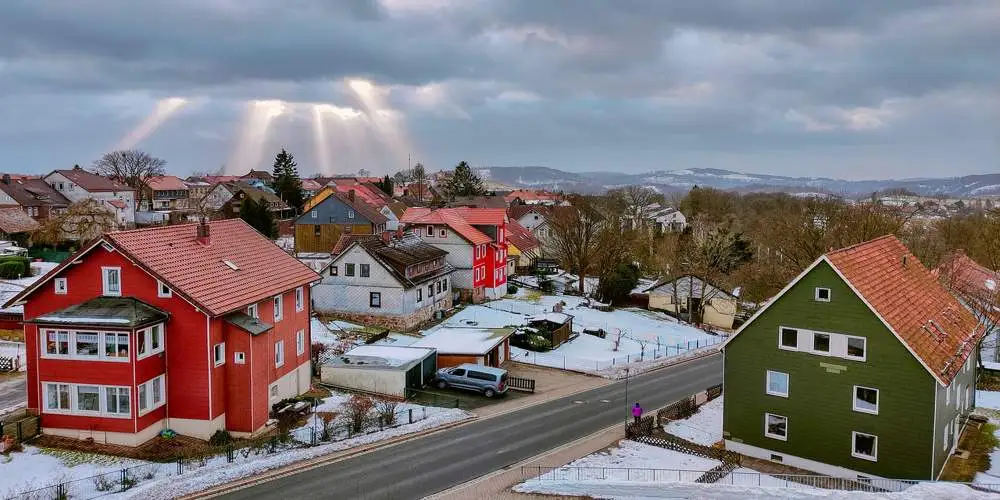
{"points": [[6, 178], [204, 234], [399, 233], [386, 236], [350, 195]]}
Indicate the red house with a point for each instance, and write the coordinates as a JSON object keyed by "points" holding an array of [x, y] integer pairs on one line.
{"points": [[476, 242], [194, 327]]}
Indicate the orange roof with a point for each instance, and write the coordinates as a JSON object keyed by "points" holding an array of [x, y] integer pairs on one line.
{"points": [[449, 217], [520, 237], [166, 183], [482, 216], [525, 194], [939, 331], [200, 273]]}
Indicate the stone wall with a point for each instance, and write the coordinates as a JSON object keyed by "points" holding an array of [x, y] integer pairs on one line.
{"points": [[397, 322]]}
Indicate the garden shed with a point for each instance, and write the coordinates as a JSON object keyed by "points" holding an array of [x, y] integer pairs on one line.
{"points": [[379, 369], [457, 345], [555, 326]]}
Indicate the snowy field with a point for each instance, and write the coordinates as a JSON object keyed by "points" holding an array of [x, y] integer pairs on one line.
{"points": [[36, 468], [704, 427]]}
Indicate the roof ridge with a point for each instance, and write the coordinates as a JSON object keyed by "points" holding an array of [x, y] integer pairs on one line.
{"points": [[863, 243]]}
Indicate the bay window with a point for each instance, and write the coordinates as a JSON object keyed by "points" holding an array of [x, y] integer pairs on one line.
{"points": [[116, 401], [98, 346], [57, 343], [151, 394], [116, 345], [87, 344]]}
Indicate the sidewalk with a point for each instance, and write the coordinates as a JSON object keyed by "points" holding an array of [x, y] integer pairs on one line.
{"points": [[497, 485]]}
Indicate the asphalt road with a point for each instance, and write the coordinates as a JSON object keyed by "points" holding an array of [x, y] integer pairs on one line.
{"points": [[12, 391], [436, 462]]}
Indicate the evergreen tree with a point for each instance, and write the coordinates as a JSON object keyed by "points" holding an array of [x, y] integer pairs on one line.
{"points": [[259, 217], [386, 185], [287, 183], [464, 183]]}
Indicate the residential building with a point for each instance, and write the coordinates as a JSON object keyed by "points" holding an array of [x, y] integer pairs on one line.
{"points": [[197, 189], [261, 175], [476, 242], [325, 220], [532, 197], [38, 199], [310, 187], [16, 222], [688, 294], [861, 367], [195, 328], [77, 184], [226, 198], [978, 288], [165, 192], [392, 279], [523, 249], [665, 219], [458, 345]]}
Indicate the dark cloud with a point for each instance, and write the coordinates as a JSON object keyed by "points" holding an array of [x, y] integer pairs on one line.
{"points": [[582, 84]]}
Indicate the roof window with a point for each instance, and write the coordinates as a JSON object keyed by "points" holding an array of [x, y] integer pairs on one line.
{"points": [[231, 265]]}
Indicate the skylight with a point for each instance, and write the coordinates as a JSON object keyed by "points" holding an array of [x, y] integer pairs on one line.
{"points": [[231, 265]]}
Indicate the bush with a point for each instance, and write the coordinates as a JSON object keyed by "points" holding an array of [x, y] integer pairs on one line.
{"points": [[220, 438], [357, 411], [511, 288], [14, 268], [546, 285]]}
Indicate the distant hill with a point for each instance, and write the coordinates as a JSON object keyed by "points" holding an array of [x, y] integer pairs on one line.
{"points": [[681, 180]]}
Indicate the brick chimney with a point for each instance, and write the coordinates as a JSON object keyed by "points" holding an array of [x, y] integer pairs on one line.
{"points": [[399, 233], [6, 178], [386, 237], [350, 195], [204, 233]]}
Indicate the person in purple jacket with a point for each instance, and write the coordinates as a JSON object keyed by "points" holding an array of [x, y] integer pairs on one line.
{"points": [[637, 412]]}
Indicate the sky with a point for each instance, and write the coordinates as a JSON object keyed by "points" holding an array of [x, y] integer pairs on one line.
{"points": [[834, 88]]}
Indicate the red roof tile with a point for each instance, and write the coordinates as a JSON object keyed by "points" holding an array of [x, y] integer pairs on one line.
{"points": [[520, 237], [482, 216], [929, 320], [446, 216], [166, 183], [91, 182]]}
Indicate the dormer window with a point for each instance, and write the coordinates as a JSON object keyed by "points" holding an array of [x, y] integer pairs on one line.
{"points": [[823, 295], [112, 281], [162, 290]]}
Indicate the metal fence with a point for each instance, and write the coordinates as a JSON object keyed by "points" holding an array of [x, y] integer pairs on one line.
{"points": [[12, 356], [735, 478], [581, 364], [318, 433]]}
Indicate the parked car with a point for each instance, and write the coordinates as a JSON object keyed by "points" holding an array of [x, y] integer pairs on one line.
{"points": [[597, 332], [485, 379]]}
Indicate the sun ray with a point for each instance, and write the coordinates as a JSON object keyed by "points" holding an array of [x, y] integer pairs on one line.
{"points": [[164, 109], [250, 145]]}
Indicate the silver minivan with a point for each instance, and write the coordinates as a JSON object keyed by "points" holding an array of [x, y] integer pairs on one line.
{"points": [[485, 379]]}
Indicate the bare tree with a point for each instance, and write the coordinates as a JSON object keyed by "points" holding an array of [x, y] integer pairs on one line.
{"points": [[619, 333], [85, 220], [131, 167], [385, 408], [634, 203], [978, 289], [420, 179], [573, 238], [357, 410]]}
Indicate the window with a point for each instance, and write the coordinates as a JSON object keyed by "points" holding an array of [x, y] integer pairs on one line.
{"points": [[444, 284], [61, 286], [57, 397], [459, 372], [823, 295], [350, 214], [821, 342], [156, 338], [348, 269], [443, 233], [317, 229], [87, 344], [866, 400], [300, 299], [151, 394], [313, 214], [219, 354], [162, 290], [333, 270], [116, 401], [375, 299], [252, 311], [239, 358], [116, 345], [300, 342], [278, 309], [112, 279], [279, 353], [865, 446], [430, 231], [788, 339], [776, 426], [149, 341], [777, 383], [420, 294], [430, 291], [438, 287], [57, 343], [366, 270], [274, 391], [857, 348], [88, 398]]}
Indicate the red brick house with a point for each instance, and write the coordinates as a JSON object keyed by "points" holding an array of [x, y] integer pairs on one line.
{"points": [[194, 327]]}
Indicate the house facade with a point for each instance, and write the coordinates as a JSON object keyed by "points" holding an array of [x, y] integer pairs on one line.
{"points": [[194, 327], [686, 294], [861, 367], [38, 199], [165, 192], [390, 280], [458, 345], [226, 198], [78, 184], [324, 221]]}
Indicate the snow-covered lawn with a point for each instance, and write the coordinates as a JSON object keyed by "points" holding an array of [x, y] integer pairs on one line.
{"points": [[623, 490], [992, 475], [35, 468], [988, 399], [14, 350], [704, 427]]}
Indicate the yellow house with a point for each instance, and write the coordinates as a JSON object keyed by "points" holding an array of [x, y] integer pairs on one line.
{"points": [[686, 295]]}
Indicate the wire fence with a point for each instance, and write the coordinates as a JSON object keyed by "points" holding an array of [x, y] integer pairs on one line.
{"points": [[316, 432], [735, 478], [583, 364], [12, 356]]}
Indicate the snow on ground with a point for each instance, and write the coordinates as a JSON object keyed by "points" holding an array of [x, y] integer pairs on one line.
{"points": [[988, 399], [704, 427], [623, 490], [35, 469], [14, 350], [10, 288], [630, 454], [992, 475]]}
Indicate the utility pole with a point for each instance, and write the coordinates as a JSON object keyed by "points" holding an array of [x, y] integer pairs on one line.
{"points": [[627, 408]]}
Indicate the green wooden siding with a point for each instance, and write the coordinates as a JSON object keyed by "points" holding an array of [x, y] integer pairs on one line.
{"points": [[820, 403], [948, 410]]}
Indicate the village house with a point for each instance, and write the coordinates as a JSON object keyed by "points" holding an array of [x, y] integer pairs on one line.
{"points": [[226, 198], [165, 192], [38, 199], [978, 289], [390, 279], [194, 327], [523, 249], [665, 219], [689, 295], [475, 240], [331, 214], [862, 367], [77, 184]]}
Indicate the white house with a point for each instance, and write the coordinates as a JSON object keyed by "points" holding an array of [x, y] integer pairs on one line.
{"points": [[78, 184], [392, 280], [666, 219]]}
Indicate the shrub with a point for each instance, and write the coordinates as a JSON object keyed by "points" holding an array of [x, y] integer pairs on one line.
{"points": [[386, 410], [511, 288], [546, 285], [539, 343], [104, 482], [358, 408], [13, 269], [220, 438]]}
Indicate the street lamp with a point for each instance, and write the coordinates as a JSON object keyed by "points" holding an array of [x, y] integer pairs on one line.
{"points": [[626, 397]]}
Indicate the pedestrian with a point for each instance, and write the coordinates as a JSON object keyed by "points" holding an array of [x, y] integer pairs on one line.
{"points": [[637, 412]]}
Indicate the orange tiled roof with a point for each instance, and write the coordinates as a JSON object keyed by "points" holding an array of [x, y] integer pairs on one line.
{"points": [[520, 237], [482, 216], [166, 183], [449, 217], [929, 320]]}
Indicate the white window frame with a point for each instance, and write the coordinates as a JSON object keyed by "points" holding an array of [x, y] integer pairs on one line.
{"points": [[767, 433], [443, 233], [74, 400], [163, 291], [829, 344], [279, 307], [854, 452], [105, 282], [104, 401], [279, 354], [300, 299], [219, 354], [45, 395], [61, 286], [239, 358], [151, 403], [148, 341], [350, 213], [788, 383], [252, 311], [854, 399], [75, 394], [781, 345], [847, 348], [300, 342], [816, 293], [313, 214], [273, 390], [71, 348]]}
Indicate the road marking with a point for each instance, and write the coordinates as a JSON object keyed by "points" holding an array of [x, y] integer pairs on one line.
{"points": [[578, 402], [605, 400]]}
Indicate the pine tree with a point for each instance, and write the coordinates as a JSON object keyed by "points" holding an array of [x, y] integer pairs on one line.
{"points": [[386, 185], [464, 183], [259, 217], [287, 183]]}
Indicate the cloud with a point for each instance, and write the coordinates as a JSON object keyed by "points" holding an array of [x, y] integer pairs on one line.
{"points": [[887, 88]]}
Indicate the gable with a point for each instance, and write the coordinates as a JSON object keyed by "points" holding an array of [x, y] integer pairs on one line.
{"points": [[381, 274], [331, 210]]}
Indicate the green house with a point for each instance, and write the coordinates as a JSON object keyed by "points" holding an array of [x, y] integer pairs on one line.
{"points": [[861, 367]]}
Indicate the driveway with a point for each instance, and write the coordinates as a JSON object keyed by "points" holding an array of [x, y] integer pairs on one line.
{"points": [[438, 461], [13, 390]]}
